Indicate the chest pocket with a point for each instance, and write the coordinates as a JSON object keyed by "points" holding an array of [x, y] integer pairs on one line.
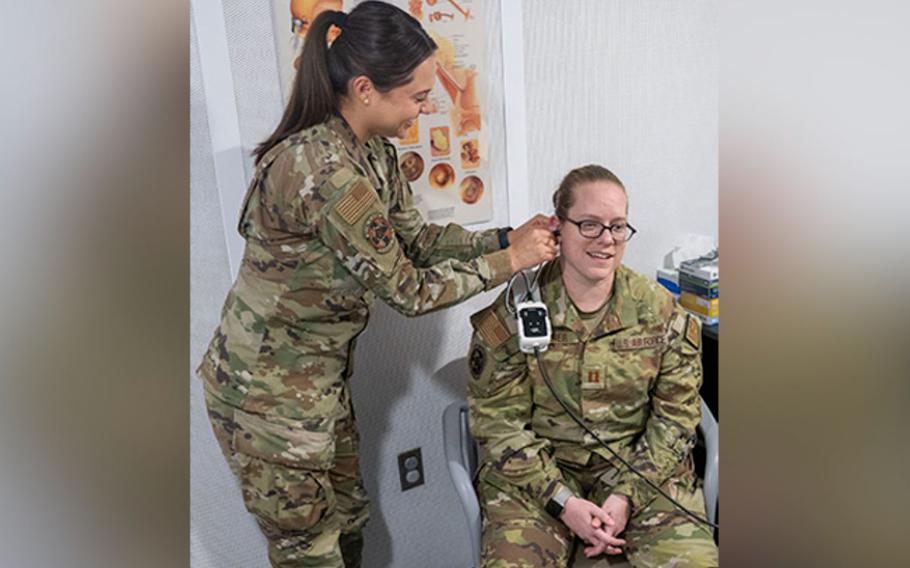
{"points": [[560, 362], [616, 379]]}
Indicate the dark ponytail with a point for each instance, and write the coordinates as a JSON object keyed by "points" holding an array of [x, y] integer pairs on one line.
{"points": [[377, 40]]}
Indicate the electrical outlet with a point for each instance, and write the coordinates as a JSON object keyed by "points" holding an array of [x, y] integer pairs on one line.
{"points": [[410, 469]]}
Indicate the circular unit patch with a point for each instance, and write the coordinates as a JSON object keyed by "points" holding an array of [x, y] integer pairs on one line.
{"points": [[477, 360], [378, 232]]}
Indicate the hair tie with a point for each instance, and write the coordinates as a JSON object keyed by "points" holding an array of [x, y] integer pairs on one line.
{"points": [[339, 18]]}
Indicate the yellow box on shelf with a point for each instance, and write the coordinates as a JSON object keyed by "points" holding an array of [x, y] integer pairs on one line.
{"points": [[699, 305]]}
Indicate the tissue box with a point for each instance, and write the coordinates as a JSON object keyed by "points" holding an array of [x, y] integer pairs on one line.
{"points": [[701, 269]]}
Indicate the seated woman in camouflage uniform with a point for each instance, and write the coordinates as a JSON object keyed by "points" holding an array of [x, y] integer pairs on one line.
{"points": [[627, 360], [330, 225]]}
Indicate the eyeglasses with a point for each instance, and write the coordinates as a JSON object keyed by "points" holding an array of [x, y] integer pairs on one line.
{"points": [[621, 232]]}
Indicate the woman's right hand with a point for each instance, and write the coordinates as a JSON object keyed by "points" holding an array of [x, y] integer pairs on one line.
{"points": [[578, 515], [531, 244]]}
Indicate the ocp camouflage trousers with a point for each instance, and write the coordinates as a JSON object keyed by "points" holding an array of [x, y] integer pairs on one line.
{"points": [[518, 533], [304, 487]]}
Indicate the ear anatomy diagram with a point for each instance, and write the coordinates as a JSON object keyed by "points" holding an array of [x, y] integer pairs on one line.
{"points": [[460, 84]]}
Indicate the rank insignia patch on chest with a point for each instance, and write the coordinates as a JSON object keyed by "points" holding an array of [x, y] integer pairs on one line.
{"points": [[378, 232], [476, 361], [592, 377]]}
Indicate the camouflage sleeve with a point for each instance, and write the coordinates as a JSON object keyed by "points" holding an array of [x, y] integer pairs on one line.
{"points": [[354, 224], [675, 412], [425, 243], [499, 396]]}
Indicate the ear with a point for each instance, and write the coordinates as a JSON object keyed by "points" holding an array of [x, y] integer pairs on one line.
{"points": [[362, 87], [553, 226]]}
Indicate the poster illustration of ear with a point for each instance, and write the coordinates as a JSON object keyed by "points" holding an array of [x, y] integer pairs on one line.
{"points": [[444, 155]]}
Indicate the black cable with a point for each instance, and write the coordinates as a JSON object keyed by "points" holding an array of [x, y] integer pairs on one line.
{"points": [[581, 423], [509, 307]]}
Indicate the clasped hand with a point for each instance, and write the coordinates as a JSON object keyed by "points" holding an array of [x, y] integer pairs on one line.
{"points": [[597, 526]]}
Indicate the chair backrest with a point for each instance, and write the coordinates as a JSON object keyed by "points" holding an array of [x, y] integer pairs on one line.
{"points": [[461, 458], [711, 433]]}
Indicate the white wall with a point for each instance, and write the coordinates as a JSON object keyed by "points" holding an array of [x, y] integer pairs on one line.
{"points": [[221, 532], [629, 85], [632, 86]]}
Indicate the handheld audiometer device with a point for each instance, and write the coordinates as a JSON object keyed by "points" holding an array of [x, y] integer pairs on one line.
{"points": [[533, 326]]}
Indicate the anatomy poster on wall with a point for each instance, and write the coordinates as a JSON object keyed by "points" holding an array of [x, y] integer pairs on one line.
{"points": [[444, 156]]}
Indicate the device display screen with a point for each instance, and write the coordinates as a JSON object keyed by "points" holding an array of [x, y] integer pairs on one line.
{"points": [[534, 322]]}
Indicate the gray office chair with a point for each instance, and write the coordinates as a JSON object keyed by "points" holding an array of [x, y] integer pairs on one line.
{"points": [[461, 457]]}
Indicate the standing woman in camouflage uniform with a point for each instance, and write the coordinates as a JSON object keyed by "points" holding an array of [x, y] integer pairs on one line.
{"points": [[330, 225], [627, 360]]}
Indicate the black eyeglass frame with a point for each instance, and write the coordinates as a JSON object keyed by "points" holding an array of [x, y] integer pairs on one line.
{"points": [[602, 229]]}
